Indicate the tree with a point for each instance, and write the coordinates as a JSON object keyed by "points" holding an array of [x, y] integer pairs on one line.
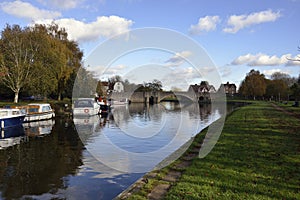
{"points": [[295, 59], [66, 57], [277, 89], [130, 87], [43, 82], [85, 84], [281, 82], [39, 59], [155, 85], [99, 89], [113, 80], [18, 50], [295, 89], [254, 85], [284, 77]]}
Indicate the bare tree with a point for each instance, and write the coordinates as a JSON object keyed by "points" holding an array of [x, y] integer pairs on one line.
{"points": [[297, 59], [18, 49]]}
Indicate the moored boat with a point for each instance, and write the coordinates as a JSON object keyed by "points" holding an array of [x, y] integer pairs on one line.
{"points": [[10, 117], [86, 107], [39, 111], [121, 102]]}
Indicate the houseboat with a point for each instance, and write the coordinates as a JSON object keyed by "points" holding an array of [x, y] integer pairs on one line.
{"points": [[10, 117], [39, 111]]}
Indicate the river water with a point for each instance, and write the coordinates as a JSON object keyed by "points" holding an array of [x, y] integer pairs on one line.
{"points": [[96, 157]]}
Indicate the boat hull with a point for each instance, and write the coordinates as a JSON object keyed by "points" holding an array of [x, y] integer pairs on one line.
{"points": [[11, 121], [85, 111], [39, 116]]}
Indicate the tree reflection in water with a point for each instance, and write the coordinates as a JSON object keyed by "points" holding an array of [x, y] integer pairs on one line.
{"points": [[62, 163]]}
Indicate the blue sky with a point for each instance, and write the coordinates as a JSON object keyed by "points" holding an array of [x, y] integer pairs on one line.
{"points": [[237, 35]]}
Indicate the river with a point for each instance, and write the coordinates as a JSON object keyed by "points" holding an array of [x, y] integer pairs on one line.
{"points": [[96, 157]]}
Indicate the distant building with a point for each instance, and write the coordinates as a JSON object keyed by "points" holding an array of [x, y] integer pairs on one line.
{"points": [[204, 87], [118, 87], [229, 88]]}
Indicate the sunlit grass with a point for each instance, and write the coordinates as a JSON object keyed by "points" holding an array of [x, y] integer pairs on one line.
{"points": [[256, 157]]}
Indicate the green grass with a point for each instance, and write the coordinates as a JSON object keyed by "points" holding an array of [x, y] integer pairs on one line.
{"points": [[289, 106], [256, 157]]}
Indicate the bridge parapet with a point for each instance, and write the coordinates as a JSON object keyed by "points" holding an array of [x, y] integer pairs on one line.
{"points": [[158, 96]]}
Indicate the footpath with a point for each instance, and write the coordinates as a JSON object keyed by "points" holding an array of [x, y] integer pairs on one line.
{"points": [[257, 157]]}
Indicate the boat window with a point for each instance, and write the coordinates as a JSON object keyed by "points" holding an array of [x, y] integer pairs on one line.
{"points": [[32, 110], [83, 103], [46, 109], [15, 112], [3, 113]]}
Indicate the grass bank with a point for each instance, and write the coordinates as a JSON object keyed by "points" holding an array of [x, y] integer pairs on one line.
{"points": [[256, 157]]}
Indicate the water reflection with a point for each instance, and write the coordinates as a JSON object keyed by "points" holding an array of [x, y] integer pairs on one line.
{"points": [[95, 157], [38, 128], [141, 136], [37, 166], [12, 136]]}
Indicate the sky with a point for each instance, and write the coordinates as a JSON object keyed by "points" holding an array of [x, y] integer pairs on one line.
{"points": [[236, 35]]}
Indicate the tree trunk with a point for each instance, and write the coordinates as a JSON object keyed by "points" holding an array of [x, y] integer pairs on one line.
{"points": [[16, 97], [59, 96]]}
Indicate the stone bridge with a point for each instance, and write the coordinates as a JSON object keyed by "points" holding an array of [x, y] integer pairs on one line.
{"points": [[158, 96]]}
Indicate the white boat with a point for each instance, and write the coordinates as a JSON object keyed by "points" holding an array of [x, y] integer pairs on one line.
{"points": [[38, 111], [86, 107], [120, 102], [10, 117]]}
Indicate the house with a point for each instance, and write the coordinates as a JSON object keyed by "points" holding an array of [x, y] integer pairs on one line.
{"points": [[118, 87], [204, 87], [229, 88]]}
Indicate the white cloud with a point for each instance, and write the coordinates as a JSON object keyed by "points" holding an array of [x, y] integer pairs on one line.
{"points": [[238, 22], [102, 71], [205, 24], [115, 70], [103, 27], [28, 11], [225, 71], [265, 60], [63, 4], [293, 61], [271, 71], [178, 58]]}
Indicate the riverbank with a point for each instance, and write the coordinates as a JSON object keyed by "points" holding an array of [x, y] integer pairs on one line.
{"points": [[256, 157]]}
